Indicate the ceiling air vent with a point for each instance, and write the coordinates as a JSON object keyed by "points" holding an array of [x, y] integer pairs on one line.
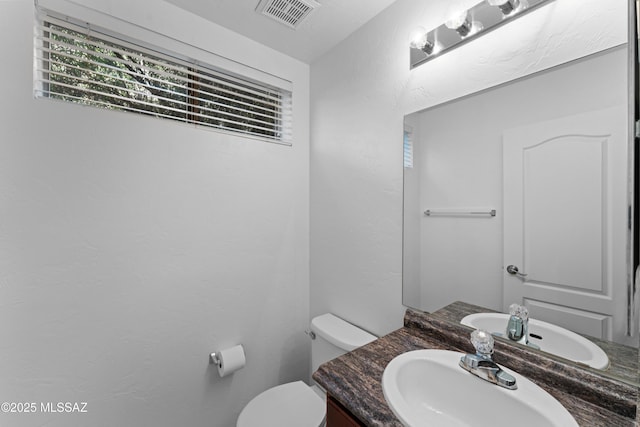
{"points": [[288, 12]]}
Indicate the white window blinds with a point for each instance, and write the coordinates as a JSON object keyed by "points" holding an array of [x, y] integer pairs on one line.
{"points": [[78, 64], [407, 149]]}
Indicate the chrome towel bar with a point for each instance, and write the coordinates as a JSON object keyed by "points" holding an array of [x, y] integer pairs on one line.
{"points": [[453, 212]]}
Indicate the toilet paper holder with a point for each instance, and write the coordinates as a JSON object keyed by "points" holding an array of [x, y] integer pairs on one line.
{"points": [[214, 359], [228, 360]]}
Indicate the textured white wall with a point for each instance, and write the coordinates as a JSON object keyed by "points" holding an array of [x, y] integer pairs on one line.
{"points": [[360, 92], [131, 247]]}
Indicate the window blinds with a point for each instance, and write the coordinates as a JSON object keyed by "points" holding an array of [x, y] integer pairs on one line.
{"points": [[407, 149], [77, 64]]}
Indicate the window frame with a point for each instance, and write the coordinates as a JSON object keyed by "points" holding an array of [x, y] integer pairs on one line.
{"points": [[204, 103]]}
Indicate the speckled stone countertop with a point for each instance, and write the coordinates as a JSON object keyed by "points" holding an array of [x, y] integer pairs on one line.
{"points": [[623, 360], [354, 379]]}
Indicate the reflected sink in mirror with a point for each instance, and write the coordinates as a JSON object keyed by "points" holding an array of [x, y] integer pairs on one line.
{"points": [[428, 388], [548, 337]]}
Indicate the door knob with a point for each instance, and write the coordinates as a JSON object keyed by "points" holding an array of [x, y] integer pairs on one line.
{"points": [[513, 270]]}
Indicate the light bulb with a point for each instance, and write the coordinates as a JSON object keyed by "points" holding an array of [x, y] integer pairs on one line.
{"points": [[418, 38], [506, 6], [429, 48], [420, 41], [460, 23]]}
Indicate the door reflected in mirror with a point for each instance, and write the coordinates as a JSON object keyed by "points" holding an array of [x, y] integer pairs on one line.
{"points": [[548, 154]]}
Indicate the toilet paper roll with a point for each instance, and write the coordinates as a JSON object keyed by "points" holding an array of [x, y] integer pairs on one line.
{"points": [[231, 360]]}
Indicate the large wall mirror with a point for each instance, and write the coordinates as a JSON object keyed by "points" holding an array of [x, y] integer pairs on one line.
{"points": [[532, 174]]}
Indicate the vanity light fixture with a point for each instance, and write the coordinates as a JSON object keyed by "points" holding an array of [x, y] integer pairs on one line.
{"points": [[485, 16]]}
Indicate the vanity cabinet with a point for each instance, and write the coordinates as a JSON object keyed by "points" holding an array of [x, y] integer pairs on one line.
{"points": [[339, 416]]}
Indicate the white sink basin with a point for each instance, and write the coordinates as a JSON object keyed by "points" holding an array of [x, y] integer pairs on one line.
{"points": [[428, 388], [555, 340]]}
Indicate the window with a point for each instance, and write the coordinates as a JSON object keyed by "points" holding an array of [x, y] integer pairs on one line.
{"points": [[85, 66], [408, 149]]}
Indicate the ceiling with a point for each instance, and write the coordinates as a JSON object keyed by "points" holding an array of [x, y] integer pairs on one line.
{"points": [[326, 27]]}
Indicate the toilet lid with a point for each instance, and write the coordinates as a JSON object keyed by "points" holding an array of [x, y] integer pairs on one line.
{"points": [[293, 404]]}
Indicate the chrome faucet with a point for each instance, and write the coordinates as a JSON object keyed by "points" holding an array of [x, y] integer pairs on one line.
{"points": [[482, 365], [518, 326]]}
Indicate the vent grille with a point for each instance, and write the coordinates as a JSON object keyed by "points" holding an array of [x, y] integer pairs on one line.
{"points": [[288, 12]]}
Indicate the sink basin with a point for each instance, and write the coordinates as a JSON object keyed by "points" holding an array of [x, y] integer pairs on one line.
{"points": [[428, 388], [550, 338]]}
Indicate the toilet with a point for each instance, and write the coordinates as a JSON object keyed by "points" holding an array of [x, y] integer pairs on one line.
{"points": [[297, 404]]}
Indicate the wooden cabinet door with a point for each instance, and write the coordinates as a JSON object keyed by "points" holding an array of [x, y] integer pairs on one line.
{"points": [[339, 416]]}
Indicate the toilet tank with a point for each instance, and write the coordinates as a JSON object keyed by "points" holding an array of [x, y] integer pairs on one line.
{"points": [[334, 337]]}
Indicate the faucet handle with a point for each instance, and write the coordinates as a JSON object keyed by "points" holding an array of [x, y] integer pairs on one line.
{"points": [[519, 311], [483, 342]]}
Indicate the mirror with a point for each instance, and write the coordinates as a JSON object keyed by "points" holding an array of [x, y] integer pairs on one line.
{"points": [[531, 174]]}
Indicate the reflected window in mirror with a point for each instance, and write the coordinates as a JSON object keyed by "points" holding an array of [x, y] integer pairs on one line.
{"points": [[408, 147]]}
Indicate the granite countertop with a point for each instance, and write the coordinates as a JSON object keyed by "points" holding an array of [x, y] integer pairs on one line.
{"points": [[623, 360], [354, 379]]}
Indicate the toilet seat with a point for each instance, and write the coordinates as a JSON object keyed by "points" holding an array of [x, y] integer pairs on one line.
{"points": [[288, 405]]}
